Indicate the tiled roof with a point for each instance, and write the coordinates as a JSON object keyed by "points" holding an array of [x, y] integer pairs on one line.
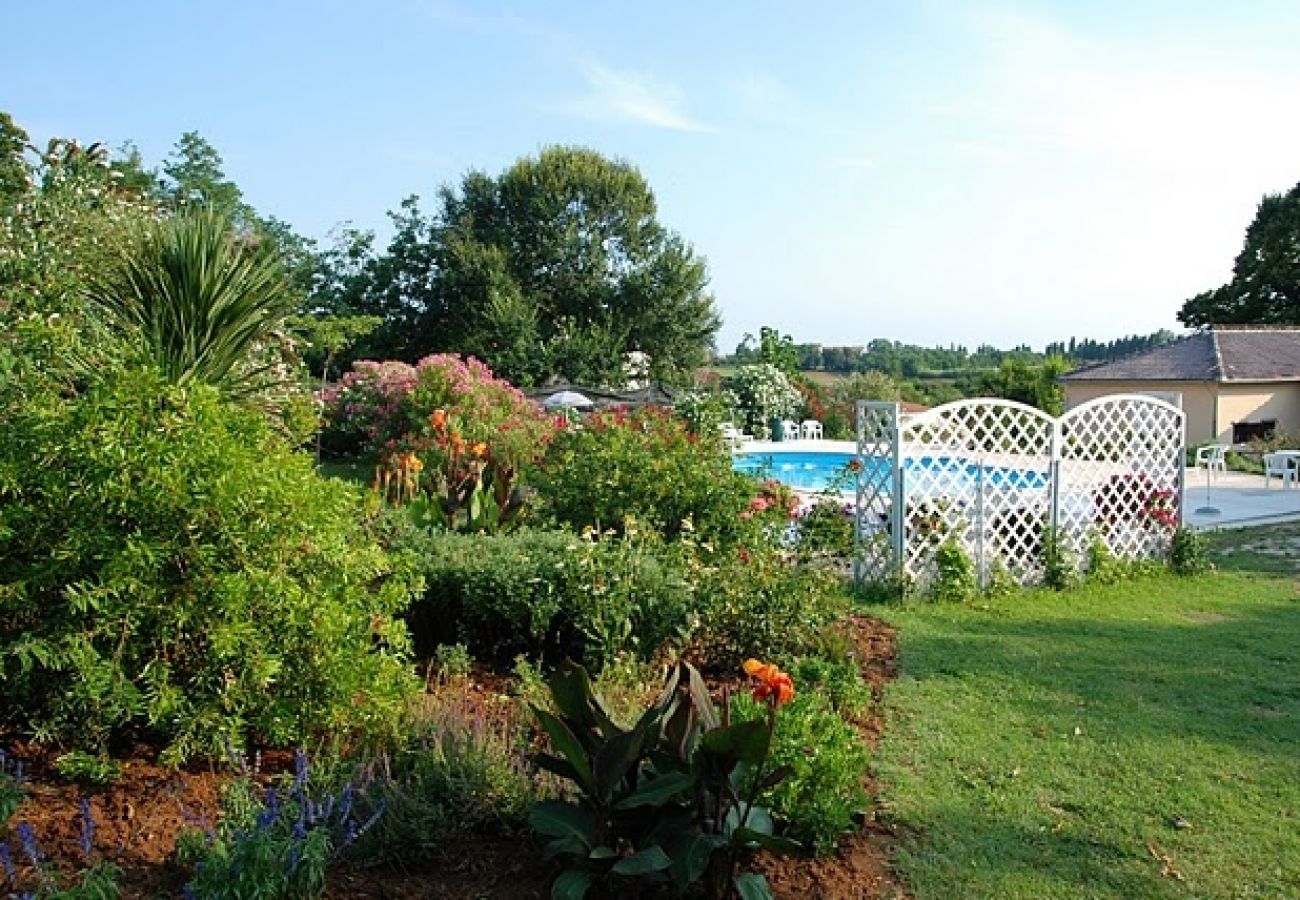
{"points": [[1218, 354]]}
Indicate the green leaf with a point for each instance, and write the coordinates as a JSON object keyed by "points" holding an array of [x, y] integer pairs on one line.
{"points": [[751, 886], [572, 694], [565, 846], [567, 744], [775, 777], [745, 741], [616, 759], [691, 857], [651, 859], [555, 818], [658, 790], [767, 841], [602, 852], [571, 885], [759, 820]]}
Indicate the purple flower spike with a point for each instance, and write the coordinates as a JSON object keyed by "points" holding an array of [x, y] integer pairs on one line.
{"points": [[27, 837], [7, 863], [87, 829]]}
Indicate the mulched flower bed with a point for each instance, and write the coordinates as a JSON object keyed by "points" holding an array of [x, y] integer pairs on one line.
{"points": [[139, 816]]}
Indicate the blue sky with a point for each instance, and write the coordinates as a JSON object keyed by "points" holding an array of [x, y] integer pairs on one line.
{"points": [[932, 172]]}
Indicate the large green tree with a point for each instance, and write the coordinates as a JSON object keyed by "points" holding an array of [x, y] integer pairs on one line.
{"points": [[1265, 285], [558, 266]]}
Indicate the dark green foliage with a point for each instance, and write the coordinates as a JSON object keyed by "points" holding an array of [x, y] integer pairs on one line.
{"points": [[169, 566], [647, 466], [556, 266], [11, 788], [670, 800], [1188, 553], [549, 594], [1265, 285], [826, 759]]}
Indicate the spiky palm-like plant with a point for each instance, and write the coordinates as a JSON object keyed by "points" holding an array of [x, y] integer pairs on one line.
{"points": [[199, 301]]}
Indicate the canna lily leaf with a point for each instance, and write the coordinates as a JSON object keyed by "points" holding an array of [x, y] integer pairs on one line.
{"points": [[573, 696], [619, 755], [771, 842], [751, 886], [558, 819], [700, 699], [651, 859], [658, 790], [571, 885], [567, 744], [691, 857], [744, 741]]}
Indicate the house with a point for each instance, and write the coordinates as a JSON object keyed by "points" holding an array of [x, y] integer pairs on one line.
{"points": [[1235, 382]]}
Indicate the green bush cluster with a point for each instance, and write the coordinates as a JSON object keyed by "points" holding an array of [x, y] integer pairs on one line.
{"points": [[549, 594], [648, 466], [169, 568], [760, 604], [827, 757]]}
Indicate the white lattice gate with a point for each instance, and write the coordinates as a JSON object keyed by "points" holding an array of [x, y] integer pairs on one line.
{"points": [[992, 476]]}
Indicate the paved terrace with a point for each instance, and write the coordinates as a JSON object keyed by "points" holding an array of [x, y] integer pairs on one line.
{"points": [[1241, 499]]}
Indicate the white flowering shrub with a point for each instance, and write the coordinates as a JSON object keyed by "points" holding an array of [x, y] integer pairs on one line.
{"points": [[763, 393]]}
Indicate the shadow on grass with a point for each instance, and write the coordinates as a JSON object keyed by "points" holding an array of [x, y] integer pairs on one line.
{"points": [[1262, 550]]}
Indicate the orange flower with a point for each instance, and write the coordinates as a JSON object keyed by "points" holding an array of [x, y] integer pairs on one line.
{"points": [[479, 450], [438, 420], [773, 683], [457, 441]]}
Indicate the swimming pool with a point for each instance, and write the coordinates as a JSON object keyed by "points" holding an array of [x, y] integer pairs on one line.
{"points": [[806, 471]]}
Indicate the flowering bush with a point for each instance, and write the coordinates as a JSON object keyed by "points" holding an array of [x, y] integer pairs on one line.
{"points": [[387, 408], [361, 409], [1132, 497], [763, 393]]}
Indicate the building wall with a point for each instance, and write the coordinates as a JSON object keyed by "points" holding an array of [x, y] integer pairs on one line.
{"points": [[1200, 400], [1258, 402]]}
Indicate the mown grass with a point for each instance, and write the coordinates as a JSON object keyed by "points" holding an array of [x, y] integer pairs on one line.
{"points": [[1271, 549], [1138, 740]]}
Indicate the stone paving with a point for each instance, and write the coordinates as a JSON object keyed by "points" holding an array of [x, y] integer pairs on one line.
{"points": [[1241, 499]]}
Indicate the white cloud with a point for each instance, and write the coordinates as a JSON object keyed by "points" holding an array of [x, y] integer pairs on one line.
{"points": [[631, 97]]}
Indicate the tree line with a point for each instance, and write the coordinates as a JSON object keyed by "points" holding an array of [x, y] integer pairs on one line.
{"points": [[557, 267]]}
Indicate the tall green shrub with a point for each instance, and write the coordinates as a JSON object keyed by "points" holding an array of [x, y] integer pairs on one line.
{"points": [[168, 567], [551, 594], [646, 465]]}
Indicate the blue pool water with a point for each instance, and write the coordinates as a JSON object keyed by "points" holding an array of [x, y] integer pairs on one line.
{"points": [[813, 471]]}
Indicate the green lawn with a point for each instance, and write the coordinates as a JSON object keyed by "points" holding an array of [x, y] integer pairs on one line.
{"points": [[1101, 743]]}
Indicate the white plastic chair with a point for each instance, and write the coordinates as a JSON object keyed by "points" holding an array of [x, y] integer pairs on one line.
{"points": [[811, 430], [1284, 466], [789, 429], [1213, 457], [733, 436]]}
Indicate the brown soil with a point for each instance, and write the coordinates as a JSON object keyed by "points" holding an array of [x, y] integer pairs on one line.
{"points": [[139, 817], [859, 868]]}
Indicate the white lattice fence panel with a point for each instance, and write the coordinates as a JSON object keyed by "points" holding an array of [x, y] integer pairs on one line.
{"points": [[1120, 476], [977, 472], [875, 555]]}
